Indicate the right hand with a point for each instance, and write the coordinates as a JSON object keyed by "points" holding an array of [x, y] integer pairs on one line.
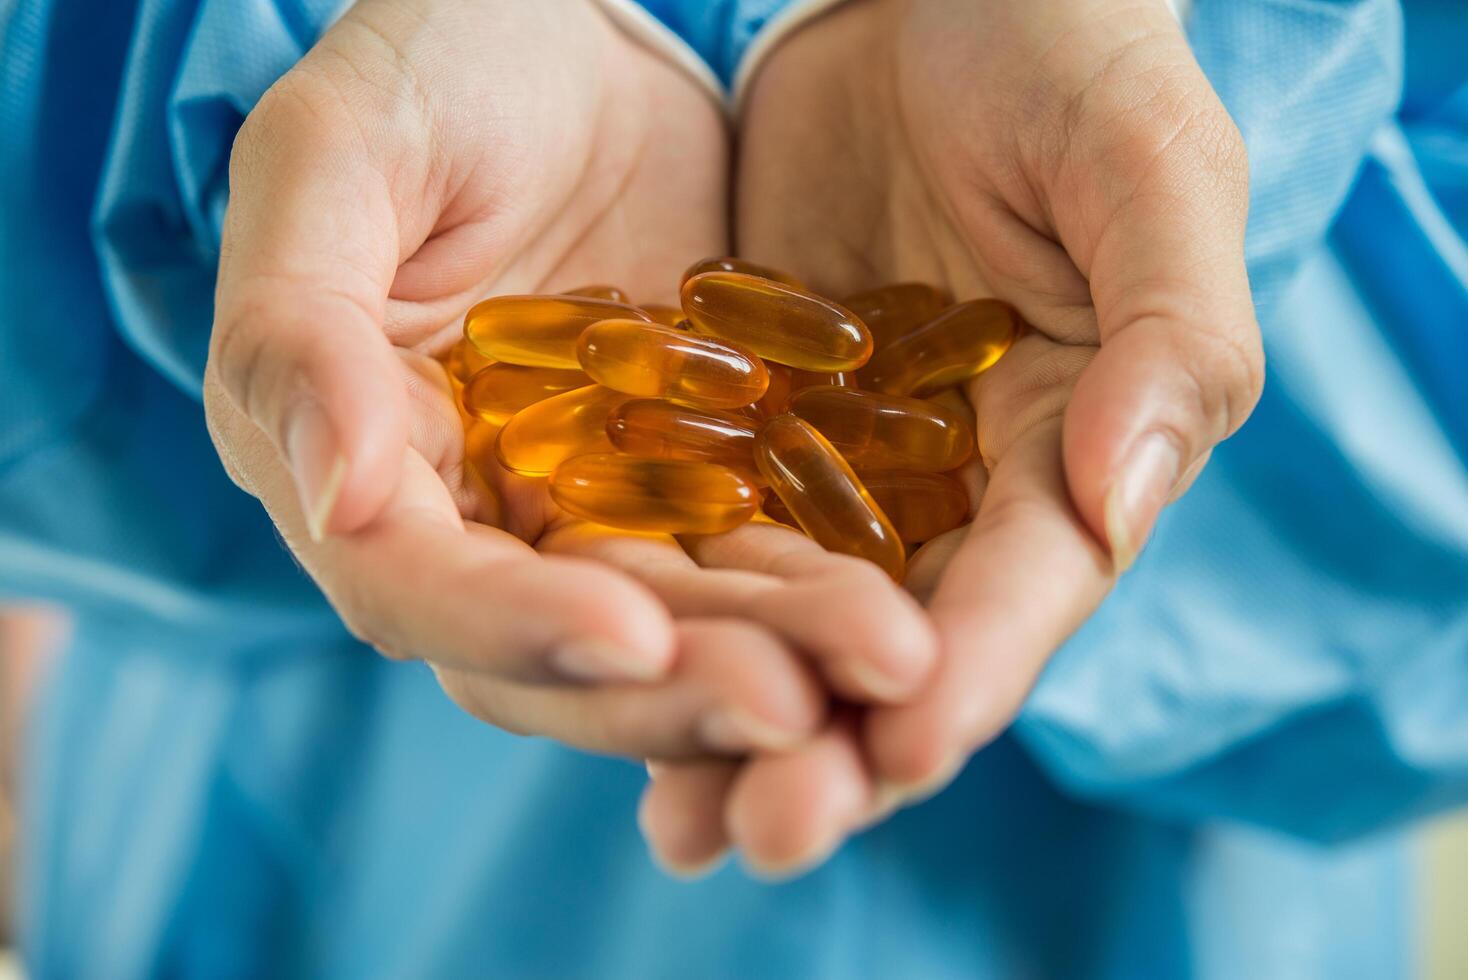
{"points": [[425, 155]]}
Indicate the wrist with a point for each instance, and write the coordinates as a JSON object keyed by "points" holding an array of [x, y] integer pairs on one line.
{"points": [[796, 15], [633, 20]]}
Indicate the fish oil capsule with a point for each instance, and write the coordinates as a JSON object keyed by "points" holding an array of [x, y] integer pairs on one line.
{"points": [[538, 331], [777, 395], [660, 429], [668, 316], [463, 361], [955, 400], [920, 506], [824, 495], [609, 293], [729, 264], [541, 436], [875, 431], [500, 390], [642, 358], [960, 344], [780, 323], [812, 379], [892, 312], [672, 496]]}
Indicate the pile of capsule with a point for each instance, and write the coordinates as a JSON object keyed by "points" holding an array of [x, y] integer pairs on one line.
{"points": [[758, 399]]}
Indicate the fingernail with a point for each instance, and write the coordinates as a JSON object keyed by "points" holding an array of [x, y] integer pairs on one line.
{"points": [[879, 685], [689, 872], [736, 730], [597, 661], [316, 464], [930, 786], [1137, 495], [886, 798], [779, 871]]}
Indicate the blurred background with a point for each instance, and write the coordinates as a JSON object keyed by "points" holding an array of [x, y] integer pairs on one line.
{"points": [[32, 637]]}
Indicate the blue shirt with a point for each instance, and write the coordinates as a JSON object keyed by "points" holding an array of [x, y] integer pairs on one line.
{"points": [[1208, 781]]}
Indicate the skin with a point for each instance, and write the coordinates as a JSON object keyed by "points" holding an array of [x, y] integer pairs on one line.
{"points": [[392, 178], [1071, 158]]}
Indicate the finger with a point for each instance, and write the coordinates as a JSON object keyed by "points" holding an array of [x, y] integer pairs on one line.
{"points": [[309, 250], [1181, 363], [418, 582], [789, 812], [1027, 574], [682, 815], [735, 688], [872, 640]]}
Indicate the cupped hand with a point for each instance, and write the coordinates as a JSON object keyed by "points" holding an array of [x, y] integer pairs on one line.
{"points": [[1068, 157], [422, 156]]}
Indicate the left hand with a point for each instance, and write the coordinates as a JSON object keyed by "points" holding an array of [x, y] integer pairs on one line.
{"points": [[1070, 157]]}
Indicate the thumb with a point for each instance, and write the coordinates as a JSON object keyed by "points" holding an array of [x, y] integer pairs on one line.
{"points": [[1181, 364], [308, 255]]}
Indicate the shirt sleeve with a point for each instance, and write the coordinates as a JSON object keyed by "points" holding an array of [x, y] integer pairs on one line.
{"points": [[1292, 650]]}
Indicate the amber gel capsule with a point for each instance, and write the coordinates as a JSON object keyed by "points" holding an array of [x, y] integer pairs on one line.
{"points": [[891, 312], [673, 496], [875, 431], [463, 361], [501, 390], [610, 293], [668, 316], [824, 495], [777, 396], [811, 379], [540, 437], [778, 322], [920, 506], [729, 264], [538, 331], [649, 359], [665, 430], [962, 343]]}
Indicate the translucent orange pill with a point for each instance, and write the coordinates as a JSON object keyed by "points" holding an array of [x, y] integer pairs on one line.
{"points": [[652, 360], [962, 343], [668, 316], [538, 331], [920, 506], [824, 495], [777, 395], [781, 323], [500, 390], [814, 379], [664, 430], [609, 293], [669, 495], [876, 431], [729, 264], [893, 311], [537, 439], [463, 361], [955, 400]]}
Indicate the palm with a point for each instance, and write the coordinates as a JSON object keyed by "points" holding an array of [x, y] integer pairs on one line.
{"points": [[622, 180], [1069, 158]]}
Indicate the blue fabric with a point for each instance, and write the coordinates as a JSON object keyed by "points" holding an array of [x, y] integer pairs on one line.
{"points": [[1208, 782]]}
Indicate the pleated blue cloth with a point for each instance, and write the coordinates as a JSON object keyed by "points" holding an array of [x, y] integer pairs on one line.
{"points": [[1212, 779]]}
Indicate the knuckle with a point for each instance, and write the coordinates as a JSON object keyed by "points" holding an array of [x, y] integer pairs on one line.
{"points": [[236, 351], [1228, 370]]}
